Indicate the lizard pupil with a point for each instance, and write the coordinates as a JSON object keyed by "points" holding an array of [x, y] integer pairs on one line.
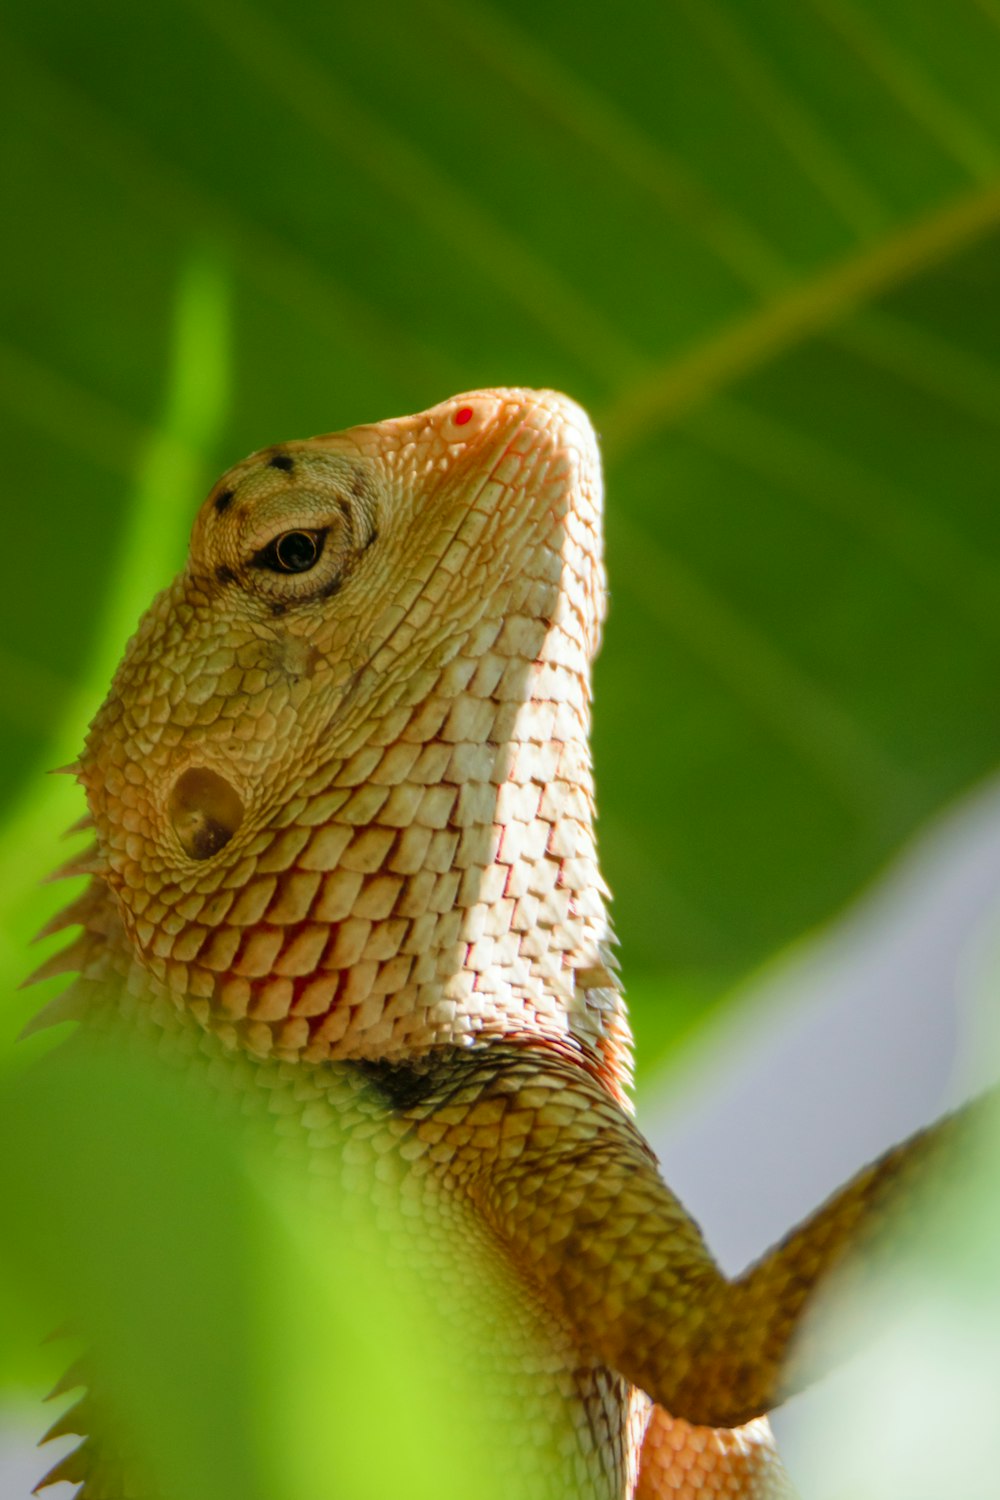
{"points": [[294, 552]]}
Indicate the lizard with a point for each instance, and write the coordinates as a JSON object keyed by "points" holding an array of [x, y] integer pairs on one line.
{"points": [[343, 803]]}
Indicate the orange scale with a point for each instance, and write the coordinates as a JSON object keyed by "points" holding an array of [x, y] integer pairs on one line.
{"points": [[315, 995], [303, 953]]}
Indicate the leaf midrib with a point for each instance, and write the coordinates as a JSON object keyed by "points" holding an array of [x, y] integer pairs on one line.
{"points": [[693, 376]]}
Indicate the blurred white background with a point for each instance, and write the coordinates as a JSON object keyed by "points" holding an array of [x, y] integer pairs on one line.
{"points": [[850, 1042]]}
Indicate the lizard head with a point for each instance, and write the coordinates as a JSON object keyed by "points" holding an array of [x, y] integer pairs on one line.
{"points": [[371, 677]]}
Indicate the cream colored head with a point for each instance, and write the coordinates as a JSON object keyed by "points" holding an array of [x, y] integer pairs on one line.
{"points": [[373, 669]]}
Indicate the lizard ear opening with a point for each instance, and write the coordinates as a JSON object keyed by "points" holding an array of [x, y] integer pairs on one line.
{"points": [[205, 810]]}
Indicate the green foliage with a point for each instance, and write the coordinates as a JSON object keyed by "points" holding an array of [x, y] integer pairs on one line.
{"points": [[133, 1178], [197, 1267], [759, 241]]}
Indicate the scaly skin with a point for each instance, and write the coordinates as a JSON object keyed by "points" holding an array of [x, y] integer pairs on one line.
{"points": [[344, 810]]}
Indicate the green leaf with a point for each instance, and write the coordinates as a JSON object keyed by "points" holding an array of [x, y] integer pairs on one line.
{"points": [[141, 1238], [242, 1336], [167, 463]]}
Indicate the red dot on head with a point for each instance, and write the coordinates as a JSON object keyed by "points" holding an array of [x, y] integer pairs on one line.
{"points": [[463, 415]]}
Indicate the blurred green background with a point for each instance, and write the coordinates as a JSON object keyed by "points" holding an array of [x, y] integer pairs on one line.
{"points": [[757, 239]]}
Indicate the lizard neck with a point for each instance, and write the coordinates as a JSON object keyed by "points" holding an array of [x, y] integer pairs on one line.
{"points": [[437, 886]]}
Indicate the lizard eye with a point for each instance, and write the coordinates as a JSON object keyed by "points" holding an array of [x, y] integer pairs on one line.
{"points": [[292, 552]]}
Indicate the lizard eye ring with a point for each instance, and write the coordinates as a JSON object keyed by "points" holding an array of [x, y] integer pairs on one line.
{"points": [[292, 552]]}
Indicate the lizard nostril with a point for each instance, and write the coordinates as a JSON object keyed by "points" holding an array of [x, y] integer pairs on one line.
{"points": [[205, 810]]}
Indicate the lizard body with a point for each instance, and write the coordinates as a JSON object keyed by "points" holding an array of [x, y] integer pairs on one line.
{"points": [[343, 800]]}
